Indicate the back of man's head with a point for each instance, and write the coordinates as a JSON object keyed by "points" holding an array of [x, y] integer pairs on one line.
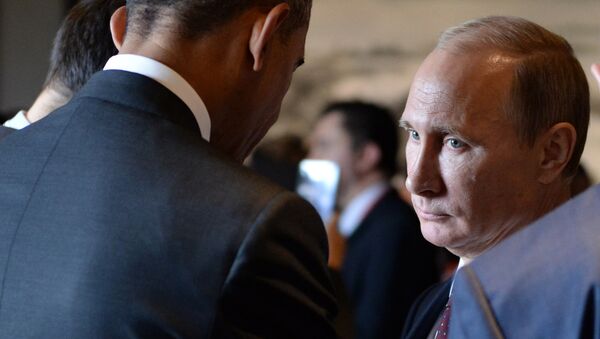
{"points": [[367, 122], [549, 85], [82, 45], [196, 18]]}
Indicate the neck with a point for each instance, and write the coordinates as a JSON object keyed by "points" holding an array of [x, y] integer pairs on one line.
{"points": [[46, 102], [210, 65], [359, 186], [554, 196]]}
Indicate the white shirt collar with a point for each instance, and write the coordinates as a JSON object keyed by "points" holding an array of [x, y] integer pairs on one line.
{"points": [[352, 216], [461, 263], [19, 121], [168, 78]]}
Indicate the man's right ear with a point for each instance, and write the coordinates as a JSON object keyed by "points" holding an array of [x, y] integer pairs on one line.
{"points": [[263, 32], [118, 26]]}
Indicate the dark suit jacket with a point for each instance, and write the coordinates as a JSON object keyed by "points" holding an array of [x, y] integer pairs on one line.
{"points": [[426, 310], [4, 131], [119, 221], [542, 282], [387, 265]]}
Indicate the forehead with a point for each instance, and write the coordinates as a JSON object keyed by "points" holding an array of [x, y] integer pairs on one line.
{"points": [[330, 124], [454, 91]]}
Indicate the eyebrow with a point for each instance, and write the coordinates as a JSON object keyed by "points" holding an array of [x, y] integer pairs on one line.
{"points": [[404, 124], [444, 130]]}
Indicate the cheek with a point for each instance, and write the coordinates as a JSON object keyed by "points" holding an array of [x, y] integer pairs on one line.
{"points": [[411, 152], [462, 180], [481, 191]]}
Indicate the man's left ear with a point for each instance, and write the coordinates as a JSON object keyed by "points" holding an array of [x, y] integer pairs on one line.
{"points": [[557, 148], [263, 32]]}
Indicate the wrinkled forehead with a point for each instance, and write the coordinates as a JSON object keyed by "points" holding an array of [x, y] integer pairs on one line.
{"points": [[459, 88]]}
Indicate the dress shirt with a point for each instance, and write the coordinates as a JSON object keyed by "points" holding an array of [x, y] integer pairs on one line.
{"points": [[461, 263], [19, 121], [168, 78], [359, 207]]}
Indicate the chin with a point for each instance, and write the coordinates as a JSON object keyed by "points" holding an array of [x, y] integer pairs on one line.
{"points": [[435, 233]]}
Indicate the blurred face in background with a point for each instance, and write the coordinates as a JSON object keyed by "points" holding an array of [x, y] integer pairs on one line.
{"points": [[329, 140]]}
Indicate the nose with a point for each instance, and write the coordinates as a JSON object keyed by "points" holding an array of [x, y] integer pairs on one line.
{"points": [[423, 171]]}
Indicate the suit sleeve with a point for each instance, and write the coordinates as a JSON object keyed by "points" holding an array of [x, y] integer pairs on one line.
{"points": [[279, 285]]}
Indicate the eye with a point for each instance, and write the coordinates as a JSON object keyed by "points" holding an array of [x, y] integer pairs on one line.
{"points": [[454, 143], [414, 134]]}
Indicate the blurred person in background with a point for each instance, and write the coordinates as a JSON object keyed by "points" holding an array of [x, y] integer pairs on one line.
{"points": [[278, 159], [82, 45], [386, 263]]}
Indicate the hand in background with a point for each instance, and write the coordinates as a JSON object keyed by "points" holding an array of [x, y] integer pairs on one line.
{"points": [[596, 72]]}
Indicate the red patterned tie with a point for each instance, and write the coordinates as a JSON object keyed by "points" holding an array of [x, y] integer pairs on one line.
{"points": [[442, 330]]}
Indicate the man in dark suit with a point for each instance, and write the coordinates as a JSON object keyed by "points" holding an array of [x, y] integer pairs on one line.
{"points": [[4, 131], [81, 48], [497, 119], [127, 213], [386, 263], [541, 282]]}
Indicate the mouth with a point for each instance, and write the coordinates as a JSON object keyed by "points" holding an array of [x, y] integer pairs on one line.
{"points": [[431, 215]]}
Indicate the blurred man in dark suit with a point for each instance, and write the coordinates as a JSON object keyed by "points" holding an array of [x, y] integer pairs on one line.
{"points": [[386, 263], [127, 214], [497, 118], [81, 48]]}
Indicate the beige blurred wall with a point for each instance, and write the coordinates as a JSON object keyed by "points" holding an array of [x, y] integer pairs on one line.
{"points": [[370, 49], [27, 28]]}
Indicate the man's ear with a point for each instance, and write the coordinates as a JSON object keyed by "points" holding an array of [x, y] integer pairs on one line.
{"points": [[596, 72], [263, 32], [368, 158], [557, 146], [118, 25]]}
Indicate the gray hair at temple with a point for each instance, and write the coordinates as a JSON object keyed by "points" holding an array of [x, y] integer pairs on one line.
{"points": [[549, 83]]}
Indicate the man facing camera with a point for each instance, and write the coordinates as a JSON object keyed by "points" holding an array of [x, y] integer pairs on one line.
{"points": [[541, 282], [386, 263], [497, 119], [127, 214]]}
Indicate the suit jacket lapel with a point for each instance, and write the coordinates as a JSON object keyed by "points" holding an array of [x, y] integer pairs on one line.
{"points": [[427, 309]]}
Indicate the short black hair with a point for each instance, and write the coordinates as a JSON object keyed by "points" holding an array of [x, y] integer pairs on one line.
{"points": [[195, 17], [82, 46], [367, 122]]}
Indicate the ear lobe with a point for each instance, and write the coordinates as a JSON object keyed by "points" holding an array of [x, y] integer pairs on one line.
{"points": [[558, 145], [263, 32], [118, 25]]}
